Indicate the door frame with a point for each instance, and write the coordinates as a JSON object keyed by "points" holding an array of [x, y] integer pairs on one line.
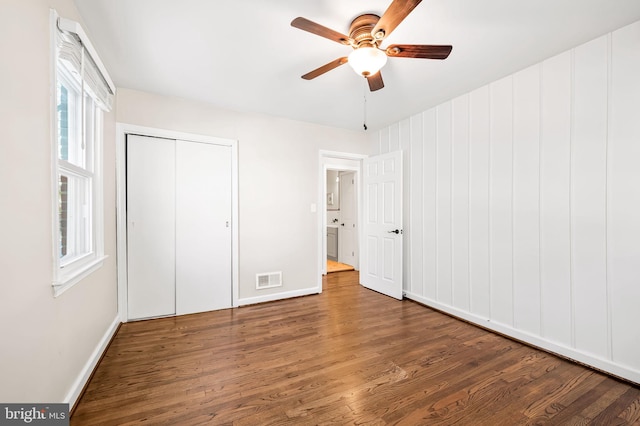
{"points": [[335, 160], [122, 130]]}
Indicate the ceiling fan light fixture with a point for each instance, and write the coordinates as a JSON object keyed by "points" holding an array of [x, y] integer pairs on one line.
{"points": [[367, 60]]}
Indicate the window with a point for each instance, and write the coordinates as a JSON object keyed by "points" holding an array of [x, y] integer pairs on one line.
{"points": [[83, 91]]}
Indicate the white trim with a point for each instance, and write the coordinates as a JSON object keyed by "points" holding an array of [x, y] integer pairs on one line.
{"points": [[65, 282], [133, 129], [123, 129], [121, 221], [596, 362], [73, 27], [53, 127], [325, 159], [278, 296], [235, 226], [85, 374], [342, 155]]}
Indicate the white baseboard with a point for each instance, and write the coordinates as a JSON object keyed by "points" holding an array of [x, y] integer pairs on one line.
{"points": [[277, 296], [78, 385], [591, 360]]}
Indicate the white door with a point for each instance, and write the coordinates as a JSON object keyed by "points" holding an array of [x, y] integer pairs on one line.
{"points": [[203, 227], [150, 227], [382, 252], [348, 231], [179, 197]]}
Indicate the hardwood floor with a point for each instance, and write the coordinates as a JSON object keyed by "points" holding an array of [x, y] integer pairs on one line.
{"points": [[333, 266], [347, 356]]}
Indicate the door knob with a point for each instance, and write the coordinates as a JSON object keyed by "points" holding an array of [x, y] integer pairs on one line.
{"points": [[342, 224], [395, 231]]}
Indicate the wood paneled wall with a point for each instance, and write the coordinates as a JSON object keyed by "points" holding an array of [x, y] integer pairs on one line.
{"points": [[522, 203]]}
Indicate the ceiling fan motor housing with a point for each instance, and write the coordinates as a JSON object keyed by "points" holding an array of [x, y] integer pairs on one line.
{"points": [[360, 31]]}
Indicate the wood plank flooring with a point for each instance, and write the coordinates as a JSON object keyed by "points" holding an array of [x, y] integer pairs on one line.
{"points": [[347, 356], [333, 266]]}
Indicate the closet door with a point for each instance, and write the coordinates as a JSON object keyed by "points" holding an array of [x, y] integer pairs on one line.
{"points": [[150, 227], [203, 227]]}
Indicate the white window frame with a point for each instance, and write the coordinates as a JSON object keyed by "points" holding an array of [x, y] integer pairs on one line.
{"points": [[72, 269]]}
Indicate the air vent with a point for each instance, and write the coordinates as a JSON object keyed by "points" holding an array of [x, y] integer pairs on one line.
{"points": [[268, 280]]}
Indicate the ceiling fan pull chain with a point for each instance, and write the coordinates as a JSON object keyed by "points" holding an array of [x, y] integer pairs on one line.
{"points": [[364, 96]]}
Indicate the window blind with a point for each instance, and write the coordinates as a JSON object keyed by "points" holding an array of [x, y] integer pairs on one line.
{"points": [[83, 66]]}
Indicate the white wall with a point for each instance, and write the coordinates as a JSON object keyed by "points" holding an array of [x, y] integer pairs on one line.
{"points": [[46, 343], [522, 203], [278, 182]]}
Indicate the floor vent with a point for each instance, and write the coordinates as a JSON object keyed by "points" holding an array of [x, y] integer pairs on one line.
{"points": [[268, 280]]}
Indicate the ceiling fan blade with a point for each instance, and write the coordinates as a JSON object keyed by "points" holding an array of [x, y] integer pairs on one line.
{"points": [[422, 51], [375, 82], [325, 68], [317, 29], [395, 13]]}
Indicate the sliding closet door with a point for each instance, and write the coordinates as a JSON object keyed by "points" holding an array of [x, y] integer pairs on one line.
{"points": [[150, 227], [203, 227]]}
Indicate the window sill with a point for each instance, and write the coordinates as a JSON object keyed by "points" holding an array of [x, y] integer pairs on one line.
{"points": [[68, 279]]}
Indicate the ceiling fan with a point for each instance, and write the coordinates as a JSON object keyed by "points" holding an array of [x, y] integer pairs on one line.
{"points": [[365, 35]]}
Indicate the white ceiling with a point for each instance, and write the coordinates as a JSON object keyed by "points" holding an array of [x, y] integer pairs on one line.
{"points": [[245, 56]]}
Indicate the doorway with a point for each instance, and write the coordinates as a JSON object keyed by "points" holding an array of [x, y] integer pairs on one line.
{"points": [[340, 212], [342, 221], [379, 197]]}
